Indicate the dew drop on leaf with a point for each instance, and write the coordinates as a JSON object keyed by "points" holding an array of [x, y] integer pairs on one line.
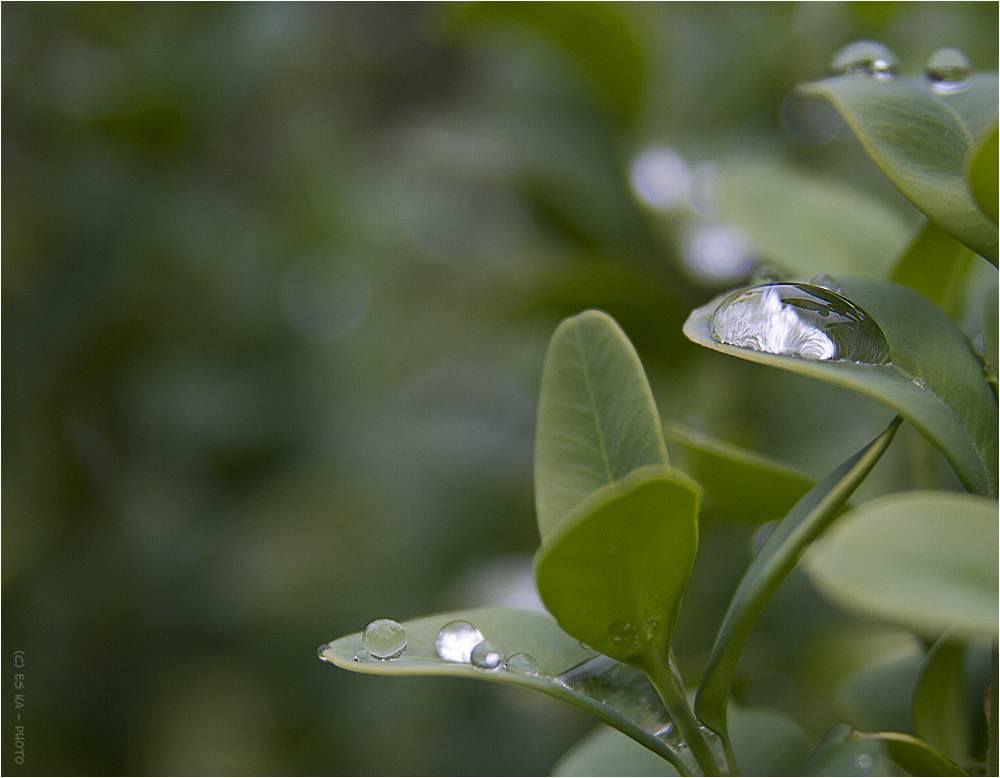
{"points": [[948, 70], [456, 640], [384, 639], [362, 656], [486, 656], [522, 664], [800, 320], [321, 651], [869, 58]]}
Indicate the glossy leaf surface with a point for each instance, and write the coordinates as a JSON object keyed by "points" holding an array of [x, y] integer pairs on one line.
{"points": [[614, 573], [921, 141], [935, 379], [941, 572], [596, 417], [740, 486], [779, 554], [912, 754]]}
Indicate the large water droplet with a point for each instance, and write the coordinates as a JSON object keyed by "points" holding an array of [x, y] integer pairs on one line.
{"points": [[522, 664], [456, 640], [948, 70], [321, 651], [384, 639], [486, 656], [362, 656], [869, 58], [799, 320]]}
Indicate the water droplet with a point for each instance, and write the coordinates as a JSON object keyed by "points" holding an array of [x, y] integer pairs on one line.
{"points": [[456, 640], [864, 761], [799, 320], [660, 178], [486, 656], [979, 344], [827, 282], [869, 58], [362, 656], [384, 639], [322, 650], [948, 70], [920, 382], [718, 749], [583, 645], [624, 635], [766, 274], [522, 664]]}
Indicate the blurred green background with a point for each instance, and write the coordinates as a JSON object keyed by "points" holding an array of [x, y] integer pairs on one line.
{"points": [[277, 285]]}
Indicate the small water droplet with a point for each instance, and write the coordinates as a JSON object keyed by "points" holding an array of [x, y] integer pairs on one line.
{"points": [[827, 282], [624, 635], [322, 650], [362, 656], [869, 58], [583, 645], [522, 664], [384, 639], [864, 762], [766, 274], [948, 70], [799, 320], [718, 749], [486, 656], [979, 344], [920, 382], [456, 640]]}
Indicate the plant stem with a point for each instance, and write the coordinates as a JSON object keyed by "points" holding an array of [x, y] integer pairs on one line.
{"points": [[670, 687], [992, 760]]}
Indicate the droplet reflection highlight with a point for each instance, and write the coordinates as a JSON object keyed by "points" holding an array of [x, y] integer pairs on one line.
{"points": [[800, 320], [456, 640], [869, 58]]}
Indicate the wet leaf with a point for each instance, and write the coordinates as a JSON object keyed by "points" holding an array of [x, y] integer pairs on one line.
{"points": [[935, 379], [921, 141]]}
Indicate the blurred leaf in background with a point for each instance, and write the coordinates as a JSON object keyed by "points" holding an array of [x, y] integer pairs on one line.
{"points": [[277, 284]]}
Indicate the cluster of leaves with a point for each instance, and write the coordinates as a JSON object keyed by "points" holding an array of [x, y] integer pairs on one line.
{"points": [[619, 524]]}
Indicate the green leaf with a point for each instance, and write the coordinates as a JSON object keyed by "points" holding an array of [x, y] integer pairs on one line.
{"points": [[935, 265], [940, 715], [983, 173], [935, 379], [740, 486], [808, 225], [765, 742], [779, 554], [596, 417], [912, 754], [990, 326], [618, 695], [941, 572], [921, 141], [614, 574]]}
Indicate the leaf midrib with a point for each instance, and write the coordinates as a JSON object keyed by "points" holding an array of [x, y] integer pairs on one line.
{"points": [[595, 416]]}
